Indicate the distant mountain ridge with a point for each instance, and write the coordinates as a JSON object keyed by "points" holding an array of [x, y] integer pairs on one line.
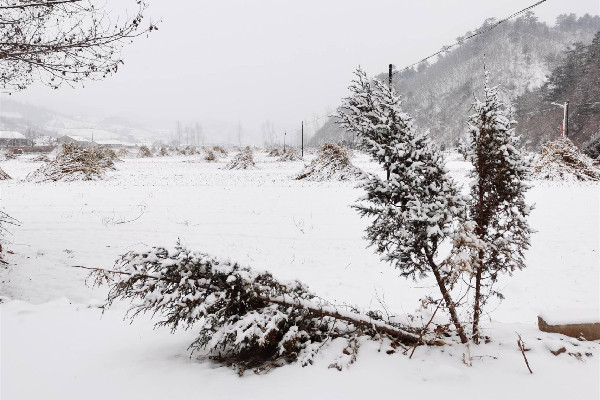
{"points": [[519, 54], [25, 118]]}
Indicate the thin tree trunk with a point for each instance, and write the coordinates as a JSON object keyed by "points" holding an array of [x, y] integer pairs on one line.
{"points": [[477, 301], [448, 300], [479, 231]]}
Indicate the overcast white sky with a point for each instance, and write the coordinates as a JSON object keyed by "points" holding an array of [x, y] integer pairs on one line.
{"points": [[224, 62]]}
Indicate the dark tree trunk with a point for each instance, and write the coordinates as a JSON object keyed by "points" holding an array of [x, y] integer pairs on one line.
{"points": [[448, 300]]}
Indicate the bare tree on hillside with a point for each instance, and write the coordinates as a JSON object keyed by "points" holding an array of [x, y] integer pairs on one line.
{"points": [[63, 41]]}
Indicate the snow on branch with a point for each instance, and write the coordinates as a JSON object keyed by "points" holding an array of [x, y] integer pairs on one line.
{"points": [[247, 319]]}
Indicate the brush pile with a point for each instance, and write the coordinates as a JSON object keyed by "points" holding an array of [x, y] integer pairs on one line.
{"points": [[219, 150], [210, 156], [290, 155], [3, 175], [243, 160], [561, 160], [123, 153], [41, 158], [76, 163], [274, 152], [187, 151], [144, 152], [332, 164]]}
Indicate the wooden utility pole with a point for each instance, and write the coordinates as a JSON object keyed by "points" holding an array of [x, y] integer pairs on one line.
{"points": [[390, 75], [302, 139], [566, 119], [284, 135]]}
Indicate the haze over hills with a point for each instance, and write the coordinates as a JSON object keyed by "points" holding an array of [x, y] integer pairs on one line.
{"points": [[519, 54], [23, 117]]}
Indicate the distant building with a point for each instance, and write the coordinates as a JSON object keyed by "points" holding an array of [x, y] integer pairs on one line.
{"points": [[13, 139], [78, 140], [114, 143]]}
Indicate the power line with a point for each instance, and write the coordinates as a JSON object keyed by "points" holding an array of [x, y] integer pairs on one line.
{"points": [[461, 41], [446, 48]]}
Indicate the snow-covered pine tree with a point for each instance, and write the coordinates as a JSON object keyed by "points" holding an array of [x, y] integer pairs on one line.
{"points": [[248, 319], [497, 204], [417, 207]]}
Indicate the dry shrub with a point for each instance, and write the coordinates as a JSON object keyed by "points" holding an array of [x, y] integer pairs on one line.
{"points": [[274, 153], [41, 158], [332, 163], [3, 175], [73, 163], [8, 155], [243, 160], [210, 156], [123, 152], [561, 160], [144, 152], [187, 151], [219, 150], [290, 155]]}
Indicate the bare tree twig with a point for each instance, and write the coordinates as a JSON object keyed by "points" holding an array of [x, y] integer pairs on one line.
{"points": [[521, 345]]}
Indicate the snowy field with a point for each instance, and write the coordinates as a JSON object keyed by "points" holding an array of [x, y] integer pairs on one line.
{"points": [[56, 343]]}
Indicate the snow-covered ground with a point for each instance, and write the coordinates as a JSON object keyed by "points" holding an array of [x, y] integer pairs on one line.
{"points": [[56, 343]]}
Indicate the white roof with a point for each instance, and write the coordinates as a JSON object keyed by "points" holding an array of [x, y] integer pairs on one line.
{"points": [[11, 135], [78, 138]]}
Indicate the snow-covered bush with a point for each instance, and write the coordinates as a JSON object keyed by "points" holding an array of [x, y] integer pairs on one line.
{"points": [[497, 203], [247, 319], [561, 160], [243, 160], [74, 162], [331, 164], [416, 209]]}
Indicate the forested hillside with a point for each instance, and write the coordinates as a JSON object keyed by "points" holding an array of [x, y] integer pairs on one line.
{"points": [[576, 80], [520, 55]]}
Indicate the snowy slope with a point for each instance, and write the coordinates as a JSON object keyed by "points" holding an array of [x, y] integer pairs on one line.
{"points": [[57, 344]]}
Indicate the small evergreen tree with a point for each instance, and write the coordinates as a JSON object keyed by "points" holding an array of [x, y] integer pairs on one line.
{"points": [[417, 207], [497, 203]]}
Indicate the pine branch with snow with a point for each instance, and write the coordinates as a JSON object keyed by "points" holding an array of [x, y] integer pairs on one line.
{"points": [[247, 319]]}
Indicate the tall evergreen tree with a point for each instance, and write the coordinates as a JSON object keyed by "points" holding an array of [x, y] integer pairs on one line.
{"points": [[416, 208], [497, 203]]}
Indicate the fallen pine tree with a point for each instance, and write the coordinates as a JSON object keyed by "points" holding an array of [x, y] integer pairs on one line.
{"points": [[247, 319]]}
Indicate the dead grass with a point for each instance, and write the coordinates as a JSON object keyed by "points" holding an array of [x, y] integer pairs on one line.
{"points": [[73, 163], [144, 152], [3, 175], [243, 160], [332, 164], [561, 160], [290, 155]]}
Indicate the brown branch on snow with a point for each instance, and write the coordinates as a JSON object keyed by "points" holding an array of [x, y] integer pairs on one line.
{"points": [[521, 345]]}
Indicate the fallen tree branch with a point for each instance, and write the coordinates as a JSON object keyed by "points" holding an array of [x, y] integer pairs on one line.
{"points": [[521, 345], [363, 321]]}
